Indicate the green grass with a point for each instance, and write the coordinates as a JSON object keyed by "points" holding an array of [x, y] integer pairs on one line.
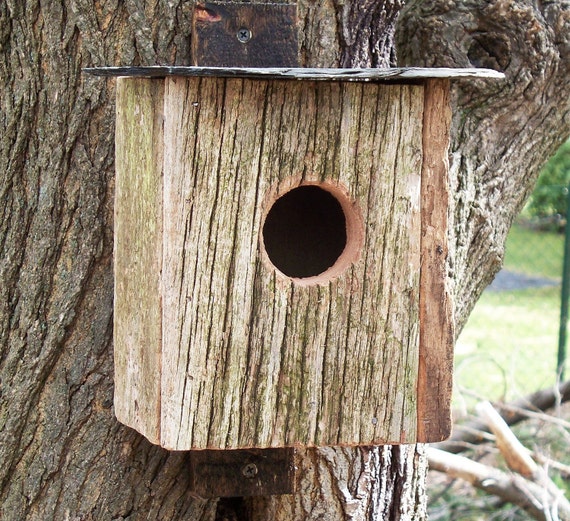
{"points": [[508, 347]]}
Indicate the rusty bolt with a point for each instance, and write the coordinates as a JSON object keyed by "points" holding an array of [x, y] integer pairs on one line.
{"points": [[249, 471]]}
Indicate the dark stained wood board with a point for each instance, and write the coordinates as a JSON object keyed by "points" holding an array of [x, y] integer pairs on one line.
{"points": [[235, 473], [242, 35]]}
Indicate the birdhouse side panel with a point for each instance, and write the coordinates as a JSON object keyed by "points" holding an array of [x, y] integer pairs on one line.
{"points": [[138, 254], [436, 306]]}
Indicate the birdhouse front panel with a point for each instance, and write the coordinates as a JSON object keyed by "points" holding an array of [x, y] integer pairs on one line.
{"points": [[269, 239]]}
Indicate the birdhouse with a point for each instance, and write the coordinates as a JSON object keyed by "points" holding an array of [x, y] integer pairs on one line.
{"points": [[280, 256]]}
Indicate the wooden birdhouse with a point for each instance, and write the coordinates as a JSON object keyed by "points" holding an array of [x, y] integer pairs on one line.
{"points": [[280, 256]]}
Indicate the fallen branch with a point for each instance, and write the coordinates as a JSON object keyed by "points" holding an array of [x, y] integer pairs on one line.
{"points": [[538, 501], [527, 414], [476, 431], [550, 463], [516, 455]]}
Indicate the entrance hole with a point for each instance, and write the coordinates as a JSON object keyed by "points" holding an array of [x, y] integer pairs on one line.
{"points": [[306, 232]]}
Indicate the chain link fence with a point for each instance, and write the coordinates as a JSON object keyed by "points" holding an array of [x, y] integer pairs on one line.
{"points": [[511, 345]]}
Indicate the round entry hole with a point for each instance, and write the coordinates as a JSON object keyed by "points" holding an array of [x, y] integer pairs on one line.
{"points": [[308, 232]]}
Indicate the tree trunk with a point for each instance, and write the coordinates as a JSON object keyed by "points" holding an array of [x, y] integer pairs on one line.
{"points": [[63, 454], [502, 133]]}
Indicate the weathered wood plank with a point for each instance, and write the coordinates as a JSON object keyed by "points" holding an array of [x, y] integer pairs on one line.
{"points": [[436, 308], [251, 357], [138, 254]]}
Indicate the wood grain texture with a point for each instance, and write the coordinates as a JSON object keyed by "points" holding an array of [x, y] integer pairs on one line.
{"points": [[250, 358], [138, 254], [436, 308]]}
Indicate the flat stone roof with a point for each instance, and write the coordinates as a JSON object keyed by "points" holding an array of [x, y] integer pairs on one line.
{"points": [[377, 75]]}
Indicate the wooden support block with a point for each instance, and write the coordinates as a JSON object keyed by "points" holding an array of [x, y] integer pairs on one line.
{"points": [[227, 34], [236, 473]]}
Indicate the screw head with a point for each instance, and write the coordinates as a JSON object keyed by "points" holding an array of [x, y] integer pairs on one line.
{"points": [[250, 470], [244, 35]]}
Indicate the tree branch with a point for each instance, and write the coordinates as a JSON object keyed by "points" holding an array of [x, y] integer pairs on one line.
{"points": [[538, 501], [516, 455], [474, 432]]}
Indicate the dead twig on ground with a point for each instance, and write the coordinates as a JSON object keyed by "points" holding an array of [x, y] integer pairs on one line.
{"points": [[476, 431], [507, 486], [527, 485]]}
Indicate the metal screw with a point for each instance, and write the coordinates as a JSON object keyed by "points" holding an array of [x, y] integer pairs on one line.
{"points": [[244, 35], [249, 471]]}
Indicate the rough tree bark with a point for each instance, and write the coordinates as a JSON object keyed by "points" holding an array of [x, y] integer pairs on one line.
{"points": [[62, 453]]}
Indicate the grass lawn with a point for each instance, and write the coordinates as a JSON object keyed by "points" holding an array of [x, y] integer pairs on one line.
{"points": [[508, 347]]}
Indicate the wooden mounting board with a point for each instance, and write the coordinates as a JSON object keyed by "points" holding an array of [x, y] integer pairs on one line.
{"points": [[236, 473], [244, 34]]}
